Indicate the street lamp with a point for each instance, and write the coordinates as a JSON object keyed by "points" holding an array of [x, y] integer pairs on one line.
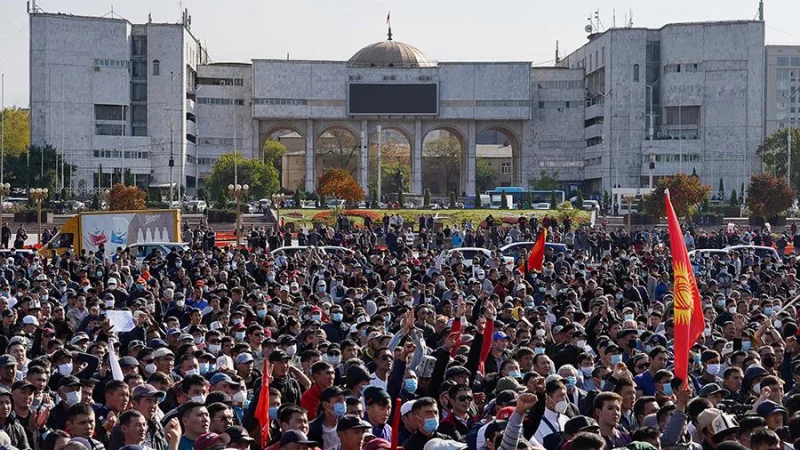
{"points": [[629, 198], [5, 189], [277, 199], [238, 192], [38, 195], [792, 93]]}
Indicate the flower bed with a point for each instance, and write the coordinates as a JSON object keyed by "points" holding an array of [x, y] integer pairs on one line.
{"points": [[327, 216]]}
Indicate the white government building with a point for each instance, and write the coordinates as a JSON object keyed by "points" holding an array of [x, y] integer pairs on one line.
{"points": [[688, 96]]}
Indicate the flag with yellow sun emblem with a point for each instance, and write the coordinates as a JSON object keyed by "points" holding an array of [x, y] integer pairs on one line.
{"points": [[688, 312]]}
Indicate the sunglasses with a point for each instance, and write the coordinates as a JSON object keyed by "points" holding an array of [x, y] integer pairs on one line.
{"points": [[465, 398]]}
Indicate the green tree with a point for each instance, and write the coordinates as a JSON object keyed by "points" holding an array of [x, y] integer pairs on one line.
{"points": [[401, 198], [579, 200], [504, 200], [40, 170], [734, 199], [478, 203], [452, 199], [773, 155], [426, 197], [444, 154], [298, 198], [686, 192], [768, 195], [17, 130], [553, 201], [129, 178], [260, 176], [273, 153], [528, 199], [545, 182], [485, 175], [606, 200], [721, 191]]}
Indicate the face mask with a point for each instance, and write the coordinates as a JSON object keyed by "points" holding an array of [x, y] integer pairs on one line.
{"points": [[150, 369], [214, 348], [73, 398], [65, 369], [204, 368], [316, 317], [571, 381], [238, 321], [44, 297], [337, 317], [239, 397], [273, 413], [539, 350], [261, 313], [561, 407], [139, 286], [757, 388], [540, 332], [333, 360], [193, 372], [35, 403], [410, 385], [619, 296], [198, 398], [628, 316], [746, 345], [667, 388], [721, 303], [515, 374], [587, 371], [541, 290], [339, 409], [768, 310], [713, 369], [616, 359], [180, 303], [431, 425], [239, 335], [291, 350], [581, 343], [109, 303], [777, 323], [199, 340]]}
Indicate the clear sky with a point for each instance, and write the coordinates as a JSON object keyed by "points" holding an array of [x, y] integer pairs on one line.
{"points": [[445, 30]]}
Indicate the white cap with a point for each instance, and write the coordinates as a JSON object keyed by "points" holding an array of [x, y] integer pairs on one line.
{"points": [[169, 293], [224, 362], [722, 423], [30, 320], [443, 444], [111, 280], [162, 352], [406, 408]]}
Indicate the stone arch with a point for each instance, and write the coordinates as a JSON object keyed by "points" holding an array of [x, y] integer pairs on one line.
{"points": [[337, 145], [438, 170], [398, 149], [512, 139], [292, 166]]}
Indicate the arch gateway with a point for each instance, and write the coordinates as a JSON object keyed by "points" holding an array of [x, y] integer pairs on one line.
{"points": [[329, 114]]}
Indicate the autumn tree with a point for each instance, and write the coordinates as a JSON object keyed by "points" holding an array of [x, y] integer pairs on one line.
{"points": [[768, 195], [338, 183], [394, 156], [123, 198], [686, 192], [260, 176], [16, 130], [773, 154]]}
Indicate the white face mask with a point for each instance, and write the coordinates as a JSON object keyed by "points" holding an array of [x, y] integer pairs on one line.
{"points": [[581, 343], [239, 397], [193, 372], [291, 350], [214, 348], [72, 398], [540, 332], [561, 407], [757, 388], [198, 398], [150, 369], [65, 369]]}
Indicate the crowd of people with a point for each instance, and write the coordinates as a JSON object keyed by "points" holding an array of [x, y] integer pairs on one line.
{"points": [[392, 345]]}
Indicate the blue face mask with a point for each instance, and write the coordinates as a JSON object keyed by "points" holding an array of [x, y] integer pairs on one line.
{"points": [[571, 381], [204, 368], [768, 310], [410, 385], [538, 350], [337, 317], [273, 413], [431, 425], [746, 345], [261, 313], [616, 359], [339, 409], [697, 359], [667, 388], [515, 374], [721, 303]]}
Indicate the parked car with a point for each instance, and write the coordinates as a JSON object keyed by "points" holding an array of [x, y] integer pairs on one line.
{"points": [[760, 251], [196, 205], [511, 251], [468, 253], [541, 206], [591, 205], [293, 249], [335, 203], [142, 250]]}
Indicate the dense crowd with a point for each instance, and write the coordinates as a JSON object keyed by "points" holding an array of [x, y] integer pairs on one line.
{"points": [[396, 343]]}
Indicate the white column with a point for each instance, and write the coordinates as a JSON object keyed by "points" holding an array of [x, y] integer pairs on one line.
{"points": [[416, 165], [471, 155], [364, 173], [311, 181]]}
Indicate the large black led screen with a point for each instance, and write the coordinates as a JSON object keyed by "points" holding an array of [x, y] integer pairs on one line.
{"points": [[391, 99]]}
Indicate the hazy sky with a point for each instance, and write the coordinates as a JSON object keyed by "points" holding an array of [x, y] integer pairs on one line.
{"points": [[446, 30]]}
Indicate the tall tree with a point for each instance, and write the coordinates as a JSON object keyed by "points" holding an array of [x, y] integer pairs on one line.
{"points": [[444, 162], [260, 176], [17, 130], [121, 198], [768, 196], [338, 183], [36, 167], [774, 156], [485, 175], [545, 182], [686, 191], [343, 148], [273, 154]]}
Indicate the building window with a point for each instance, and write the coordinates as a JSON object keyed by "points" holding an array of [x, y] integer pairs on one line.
{"points": [[603, 56], [783, 60], [635, 73], [156, 67], [109, 130], [109, 112], [138, 92], [505, 168]]}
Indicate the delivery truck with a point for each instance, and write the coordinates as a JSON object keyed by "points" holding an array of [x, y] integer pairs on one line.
{"points": [[115, 229]]}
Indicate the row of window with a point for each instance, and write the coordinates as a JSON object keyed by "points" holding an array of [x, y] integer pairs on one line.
{"points": [[505, 168], [789, 61], [677, 68], [122, 63], [280, 101], [109, 130], [596, 161], [127, 154], [560, 105], [221, 81], [556, 164], [207, 161], [523, 103], [564, 84], [224, 142], [673, 157], [110, 112], [220, 101]]}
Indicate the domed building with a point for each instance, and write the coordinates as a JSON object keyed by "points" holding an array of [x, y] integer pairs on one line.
{"points": [[390, 53]]}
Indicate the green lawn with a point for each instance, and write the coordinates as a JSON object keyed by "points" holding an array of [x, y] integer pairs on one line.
{"points": [[447, 217]]}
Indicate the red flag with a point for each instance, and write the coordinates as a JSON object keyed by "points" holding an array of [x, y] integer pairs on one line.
{"points": [[396, 423], [388, 17], [688, 311], [536, 258], [262, 409]]}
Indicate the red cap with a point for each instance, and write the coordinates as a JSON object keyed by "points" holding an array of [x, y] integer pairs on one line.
{"points": [[205, 441], [505, 413]]}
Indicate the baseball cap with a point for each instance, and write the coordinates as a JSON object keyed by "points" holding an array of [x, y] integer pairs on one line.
{"points": [[768, 407], [509, 384], [238, 434], [351, 421], [705, 418], [22, 384], [297, 437], [7, 360], [507, 397], [223, 378], [205, 441], [443, 444], [69, 380], [128, 361], [378, 444], [279, 355], [580, 423], [375, 394], [499, 335], [146, 390], [244, 358], [712, 388], [406, 408], [723, 425], [30, 320], [162, 352]]}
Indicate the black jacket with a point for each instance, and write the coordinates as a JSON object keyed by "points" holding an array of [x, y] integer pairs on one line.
{"points": [[16, 432]]}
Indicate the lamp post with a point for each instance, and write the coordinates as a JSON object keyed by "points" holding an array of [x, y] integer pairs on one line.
{"points": [[238, 192], [38, 195], [629, 198], [5, 189], [277, 199], [791, 95]]}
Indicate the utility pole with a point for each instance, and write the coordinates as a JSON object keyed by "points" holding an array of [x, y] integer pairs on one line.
{"points": [[380, 148], [2, 125], [171, 139], [792, 93]]}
